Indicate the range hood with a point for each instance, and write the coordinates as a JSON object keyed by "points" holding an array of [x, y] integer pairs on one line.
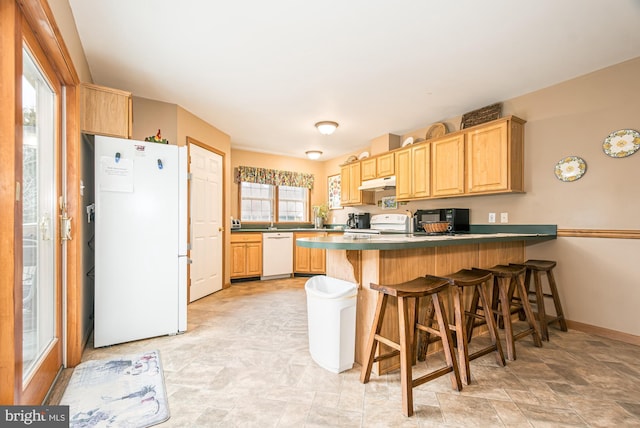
{"points": [[379, 184]]}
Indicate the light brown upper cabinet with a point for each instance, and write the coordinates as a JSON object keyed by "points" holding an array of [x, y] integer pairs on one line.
{"points": [[105, 111], [349, 182], [495, 156], [368, 169], [378, 166], [447, 166], [385, 165], [413, 166], [484, 159]]}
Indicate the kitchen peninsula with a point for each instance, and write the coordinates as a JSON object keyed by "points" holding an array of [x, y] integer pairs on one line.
{"points": [[395, 258]]}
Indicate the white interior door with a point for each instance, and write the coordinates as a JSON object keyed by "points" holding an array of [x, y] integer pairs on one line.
{"points": [[205, 271]]}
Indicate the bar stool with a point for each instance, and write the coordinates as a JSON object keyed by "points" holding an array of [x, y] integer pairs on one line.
{"points": [[465, 319], [414, 289], [538, 267], [505, 280]]}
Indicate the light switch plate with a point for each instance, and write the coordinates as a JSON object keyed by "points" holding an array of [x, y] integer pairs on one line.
{"points": [[504, 217]]}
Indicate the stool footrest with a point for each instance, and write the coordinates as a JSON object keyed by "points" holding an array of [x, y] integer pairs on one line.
{"points": [[472, 315], [524, 333], [385, 356], [388, 342], [431, 376], [482, 352], [544, 294], [430, 330]]}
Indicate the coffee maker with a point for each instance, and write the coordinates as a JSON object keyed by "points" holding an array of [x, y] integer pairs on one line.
{"points": [[358, 221]]}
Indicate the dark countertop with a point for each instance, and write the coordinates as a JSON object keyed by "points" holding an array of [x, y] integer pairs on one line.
{"points": [[478, 234], [293, 229]]}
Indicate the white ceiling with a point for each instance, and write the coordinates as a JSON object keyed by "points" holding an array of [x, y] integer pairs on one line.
{"points": [[265, 71]]}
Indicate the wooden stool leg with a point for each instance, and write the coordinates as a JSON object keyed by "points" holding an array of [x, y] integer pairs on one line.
{"points": [[461, 335], [447, 347], [423, 343], [406, 378], [542, 314], [372, 342], [556, 300], [527, 285], [417, 334], [505, 306], [491, 324], [495, 302], [471, 323], [528, 312]]}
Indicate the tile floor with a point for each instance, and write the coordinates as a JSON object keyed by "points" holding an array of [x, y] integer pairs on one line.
{"points": [[244, 363]]}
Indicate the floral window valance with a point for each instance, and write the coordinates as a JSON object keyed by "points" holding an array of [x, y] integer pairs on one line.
{"points": [[275, 177]]}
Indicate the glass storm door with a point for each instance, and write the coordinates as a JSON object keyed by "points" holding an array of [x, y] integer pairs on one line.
{"points": [[41, 344]]}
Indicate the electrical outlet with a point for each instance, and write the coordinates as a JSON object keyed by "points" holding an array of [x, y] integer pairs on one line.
{"points": [[504, 217], [492, 217]]}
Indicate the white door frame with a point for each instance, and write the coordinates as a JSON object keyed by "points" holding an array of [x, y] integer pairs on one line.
{"points": [[211, 274]]}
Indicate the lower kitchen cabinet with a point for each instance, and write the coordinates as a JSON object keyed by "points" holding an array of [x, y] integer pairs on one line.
{"points": [[246, 255], [309, 260]]}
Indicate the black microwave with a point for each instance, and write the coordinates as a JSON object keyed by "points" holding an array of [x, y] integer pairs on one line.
{"points": [[458, 218]]}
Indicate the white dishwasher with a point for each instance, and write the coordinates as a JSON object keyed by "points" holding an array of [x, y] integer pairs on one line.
{"points": [[277, 255]]}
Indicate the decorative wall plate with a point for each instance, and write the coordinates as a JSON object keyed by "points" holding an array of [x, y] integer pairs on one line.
{"points": [[622, 143], [363, 155], [570, 168]]}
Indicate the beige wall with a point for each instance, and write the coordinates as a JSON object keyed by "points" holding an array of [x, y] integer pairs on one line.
{"points": [[151, 115], [599, 278], [571, 118], [189, 125], [176, 125], [245, 158], [67, 26]]}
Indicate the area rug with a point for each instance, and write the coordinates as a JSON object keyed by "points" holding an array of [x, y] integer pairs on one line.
{"points": [[127, 391]]}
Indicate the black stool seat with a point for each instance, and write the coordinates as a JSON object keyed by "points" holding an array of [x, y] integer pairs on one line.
{"points": [[506, 279], [537, 268], [405, 347]]}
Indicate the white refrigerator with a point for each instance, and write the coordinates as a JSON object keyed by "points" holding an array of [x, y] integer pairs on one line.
{"points": [[140, 240]]}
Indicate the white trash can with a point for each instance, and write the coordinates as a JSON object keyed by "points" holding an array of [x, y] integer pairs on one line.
{"points": [[331, 310]]}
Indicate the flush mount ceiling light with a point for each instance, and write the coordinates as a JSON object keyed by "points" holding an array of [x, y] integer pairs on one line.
{"points": [[313, 154], [326, 127]]}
